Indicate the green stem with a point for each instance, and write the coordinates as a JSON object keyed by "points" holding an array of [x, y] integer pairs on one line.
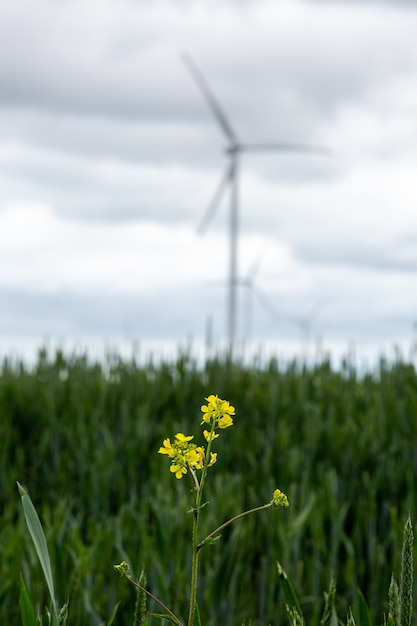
{"points": [[206, 460], [194, 568], [148, 593], [233, 519], [197, 493]]}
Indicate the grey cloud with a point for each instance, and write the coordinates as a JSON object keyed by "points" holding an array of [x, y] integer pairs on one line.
{"points": [[73, 315], [85, 69], [383, 257], [100, 120]]}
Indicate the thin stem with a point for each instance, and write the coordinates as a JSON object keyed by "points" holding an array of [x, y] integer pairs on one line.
{"points": [[233, 519], [197, 494], [194, 568], [206, 460], [148, 593]]}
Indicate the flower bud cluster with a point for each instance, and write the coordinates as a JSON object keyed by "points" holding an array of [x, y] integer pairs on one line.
{"points": [[279, 498]]}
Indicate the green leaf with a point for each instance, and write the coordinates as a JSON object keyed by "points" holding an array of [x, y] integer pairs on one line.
{"points": [[113, 615], [364, 615], [197, 620], [350, 619], [39, 541], [290, 597], [329, 617], [26, 609], [210, 541], [165, 617]]}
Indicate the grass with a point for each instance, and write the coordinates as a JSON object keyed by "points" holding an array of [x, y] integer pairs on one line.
{"points": [[82, 437]]}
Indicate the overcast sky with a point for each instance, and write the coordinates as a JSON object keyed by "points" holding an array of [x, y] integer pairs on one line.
{"points": [[109, 157]]}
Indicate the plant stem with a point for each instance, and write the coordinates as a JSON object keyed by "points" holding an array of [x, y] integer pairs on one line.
{"points": [[194, 568], [233, 519], [197, 488], [148, 593]]}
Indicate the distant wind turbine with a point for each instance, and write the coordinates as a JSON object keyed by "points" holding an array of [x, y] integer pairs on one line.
{"points": [[249, 281], [230, 178], [305, 322]]}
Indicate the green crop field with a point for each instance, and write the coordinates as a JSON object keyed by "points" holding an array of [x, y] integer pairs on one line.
{"points": [[82, 438]]}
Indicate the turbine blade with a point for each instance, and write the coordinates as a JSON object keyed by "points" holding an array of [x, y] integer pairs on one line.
{"points": [[213, 206], [209, 96], [254, 268], [266, 303], [285, 147]]}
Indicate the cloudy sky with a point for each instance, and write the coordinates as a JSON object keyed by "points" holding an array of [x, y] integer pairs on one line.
{"points": [[110, 155]]}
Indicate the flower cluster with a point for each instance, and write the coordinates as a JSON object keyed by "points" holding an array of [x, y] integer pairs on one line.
{"points": [[122, 568], [279, 498], [217, 413], [186, 455], [183, 454]]}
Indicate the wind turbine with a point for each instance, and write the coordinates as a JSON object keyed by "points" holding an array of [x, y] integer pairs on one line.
{"points": [[254, 292], [230, 178], [305, 321]]}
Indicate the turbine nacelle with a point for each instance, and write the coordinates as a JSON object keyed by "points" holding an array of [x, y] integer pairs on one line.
{"points": [[234, 149]]}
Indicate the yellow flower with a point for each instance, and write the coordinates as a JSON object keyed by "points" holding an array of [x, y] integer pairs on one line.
{"points": [[279, 498], [167, 448], [217, 412], [178, 470], [183, 454], [210, 436], [183, 438], [213, 458], [225, 421], [195, 457]]}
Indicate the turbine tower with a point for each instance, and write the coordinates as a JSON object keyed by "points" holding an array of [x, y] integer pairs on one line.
{"points": [[233, 149]]}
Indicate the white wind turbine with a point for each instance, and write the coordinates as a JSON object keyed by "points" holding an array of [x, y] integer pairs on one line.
{"points": [[254, 292], [230, 178], [306, 321]]}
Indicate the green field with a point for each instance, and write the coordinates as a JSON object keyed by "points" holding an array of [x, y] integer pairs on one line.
{"points": [[82, 437]]}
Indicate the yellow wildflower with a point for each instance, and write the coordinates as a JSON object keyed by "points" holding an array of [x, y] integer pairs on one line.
{"points": [[213, 458], [183, 454], [167, 448], [208, 436], [178, 469], [183, 438], [217, 412], [225, 421]]}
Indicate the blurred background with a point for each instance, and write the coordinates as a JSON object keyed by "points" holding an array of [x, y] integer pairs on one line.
{"points": [[110, 156]]}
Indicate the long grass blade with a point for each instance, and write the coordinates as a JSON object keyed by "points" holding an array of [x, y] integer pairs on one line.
{"points": [[165, 618], [39, 541], [290, 597], [113, 615], [329, 613], [197, 618], [350, 621], [27, 612], [364, 615]]}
